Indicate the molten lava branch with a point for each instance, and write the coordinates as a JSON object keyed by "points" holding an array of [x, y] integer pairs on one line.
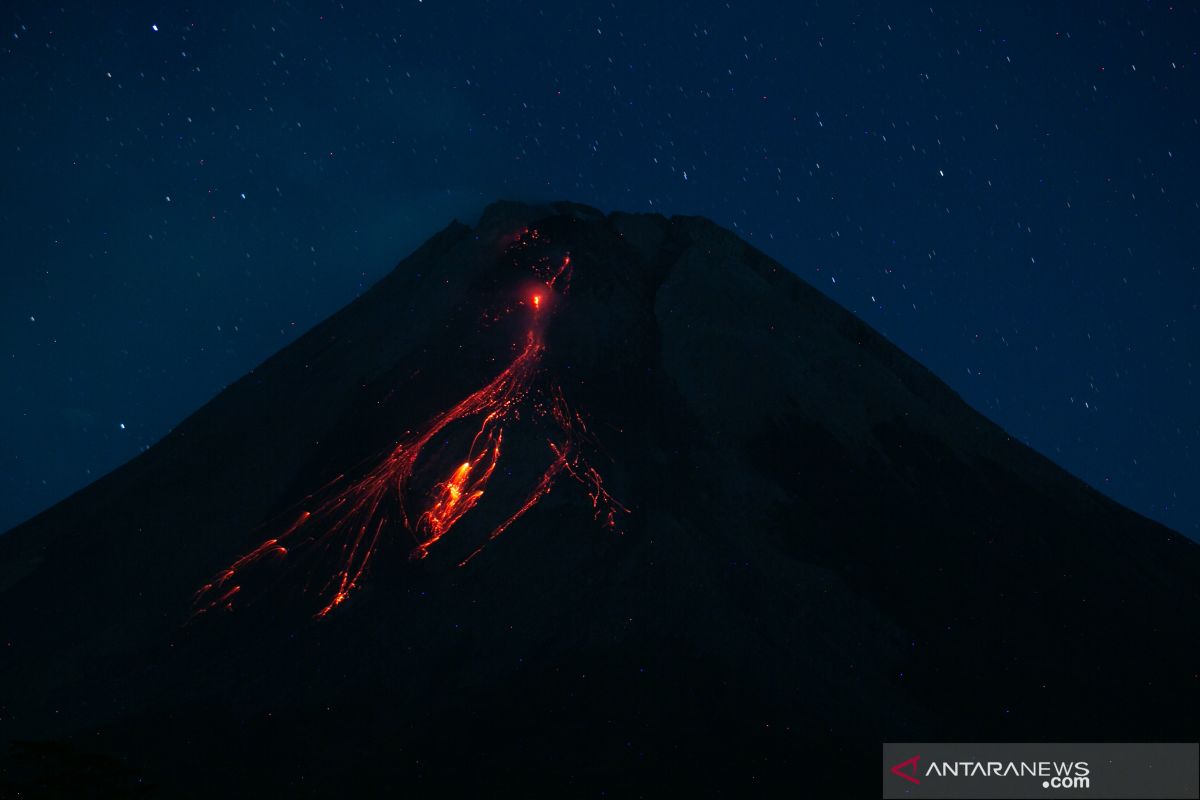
{"points": [[351, 523], [543, 487]]}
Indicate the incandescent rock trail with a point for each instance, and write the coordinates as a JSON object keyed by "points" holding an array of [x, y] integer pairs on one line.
{"points": [[353, 517]]}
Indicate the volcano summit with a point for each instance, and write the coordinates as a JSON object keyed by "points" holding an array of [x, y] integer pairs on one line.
{"points": [[578, 504]]}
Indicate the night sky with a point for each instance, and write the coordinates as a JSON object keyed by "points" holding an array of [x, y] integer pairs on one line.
{"points": [[1010, 192]]}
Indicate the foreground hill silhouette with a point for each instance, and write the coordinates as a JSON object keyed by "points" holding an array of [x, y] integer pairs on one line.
{"points": [[579, 505]]}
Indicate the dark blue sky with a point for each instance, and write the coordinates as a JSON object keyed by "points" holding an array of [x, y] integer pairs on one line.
{"points": [[1008, 191]]}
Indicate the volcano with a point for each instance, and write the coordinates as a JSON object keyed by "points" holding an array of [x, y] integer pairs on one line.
{"points": [[580, 505]]}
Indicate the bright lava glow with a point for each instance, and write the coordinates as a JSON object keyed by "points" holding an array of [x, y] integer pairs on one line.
{"points": [[350, 523]]}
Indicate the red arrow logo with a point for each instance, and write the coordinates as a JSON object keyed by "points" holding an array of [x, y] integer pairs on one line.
{"points": [[911, 763]]}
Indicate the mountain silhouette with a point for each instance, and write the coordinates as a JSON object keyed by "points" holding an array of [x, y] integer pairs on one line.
{"points": [[580, 505]]}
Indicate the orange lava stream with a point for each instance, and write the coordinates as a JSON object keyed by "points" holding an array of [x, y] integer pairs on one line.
{"points": [[544, 485], [351, 522]]}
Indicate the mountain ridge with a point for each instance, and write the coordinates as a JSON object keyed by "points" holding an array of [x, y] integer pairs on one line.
{"points": [[822, 538]]}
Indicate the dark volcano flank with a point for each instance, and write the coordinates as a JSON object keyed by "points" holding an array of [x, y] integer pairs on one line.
{"points": [[815, 546]]}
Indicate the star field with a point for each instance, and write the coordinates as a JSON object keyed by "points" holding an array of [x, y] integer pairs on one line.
{"points": [[1010, 194]]}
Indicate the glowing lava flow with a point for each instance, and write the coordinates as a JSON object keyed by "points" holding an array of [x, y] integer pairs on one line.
{"points": [[351, 522]]}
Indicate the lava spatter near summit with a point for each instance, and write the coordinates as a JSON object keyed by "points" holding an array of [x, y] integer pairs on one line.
{"points": [[343, 523]]}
